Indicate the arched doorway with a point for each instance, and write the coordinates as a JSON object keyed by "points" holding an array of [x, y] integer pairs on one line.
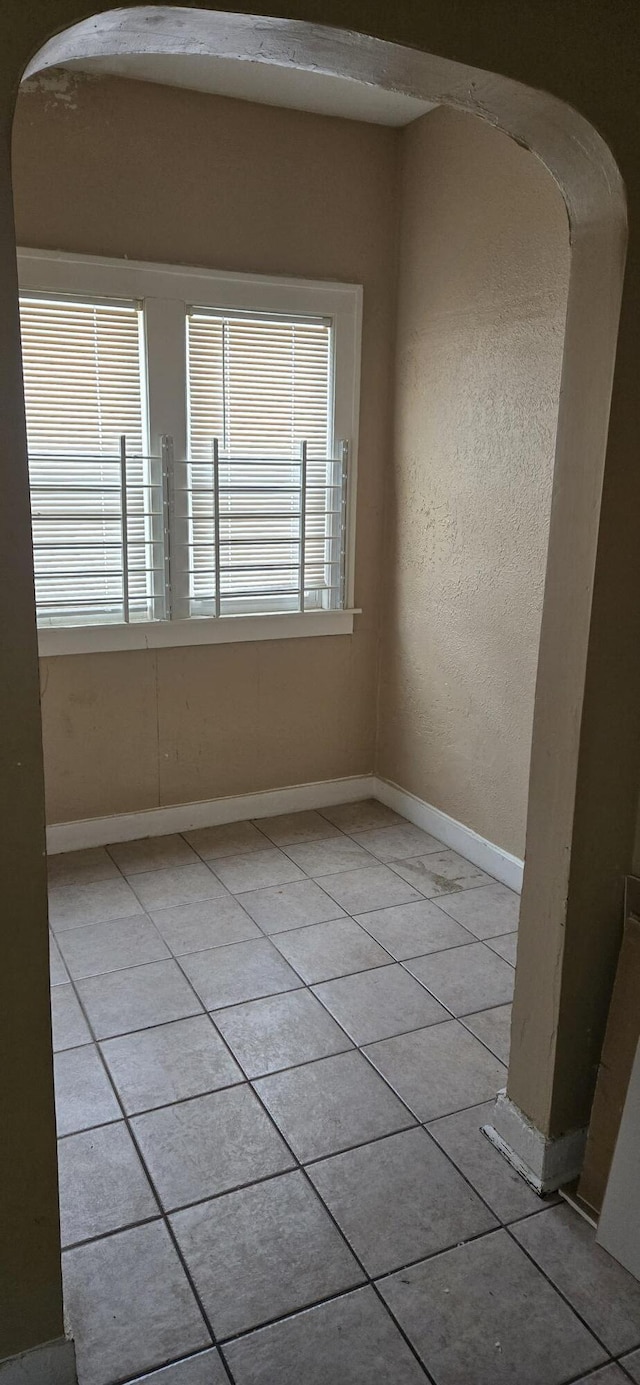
{"points": [[597, 230]]}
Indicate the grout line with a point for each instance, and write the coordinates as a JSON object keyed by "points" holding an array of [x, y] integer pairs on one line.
{"points": [[168, 1365], [306, 985], [560, 1292], [162, 1214], [619, 1362], [177, 1361], [151, 1110], [501, 1223], [309, 986], [115, 1230], [298, 1166]]}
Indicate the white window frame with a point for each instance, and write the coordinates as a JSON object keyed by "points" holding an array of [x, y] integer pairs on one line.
{"points": [[166, 291]]}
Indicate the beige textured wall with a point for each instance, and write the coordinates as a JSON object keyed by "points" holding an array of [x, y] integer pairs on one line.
{"points": [[588, 58], [112, 167], [635, 864], [483, 267]]}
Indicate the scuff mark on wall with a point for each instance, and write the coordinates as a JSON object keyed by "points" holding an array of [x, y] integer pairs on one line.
{"points": [[58, 85]]}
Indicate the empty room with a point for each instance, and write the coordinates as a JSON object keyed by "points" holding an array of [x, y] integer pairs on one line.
{"points": [[335, 1047]]}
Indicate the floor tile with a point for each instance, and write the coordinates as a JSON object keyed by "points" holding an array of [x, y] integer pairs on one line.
{"points": [[136, 998], [366, 813], [324, 950], [327, 857], [351, 1341], [608, 1375], [465, 979], [209, 1145], [208, 923], [399, 1199], [375, 888], [103, 1186], [288, 828], [608, 1298], [204, 1369], [279, 1032], [75, 906], [377, 1004], [58, 974], [493, 1028], [262, 1252], [169, 1063], [440, 873], [84, 1095], [239, 972], [290, 906], [492, 1318], [632, 1365], [396, 843], [506, 947], [486, 912], [411, 930], [230, 839], [103, 947], [152, 853], [461, 1137], [256, 870], [438, 1070], [164, 889], [70, 1028], [330, 1105], [81, 867], [129, 1305]]}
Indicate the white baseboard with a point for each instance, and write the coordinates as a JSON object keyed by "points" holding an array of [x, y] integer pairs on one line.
{"points": [[52, 1363], [500, 864], [545, 1163], [184, 817]]}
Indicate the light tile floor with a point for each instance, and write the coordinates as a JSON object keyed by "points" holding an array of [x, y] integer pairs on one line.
{"points": [[276, 1044]]}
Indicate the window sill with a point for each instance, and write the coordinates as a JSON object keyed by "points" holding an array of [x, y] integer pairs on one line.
{"points": [[104, 639]]}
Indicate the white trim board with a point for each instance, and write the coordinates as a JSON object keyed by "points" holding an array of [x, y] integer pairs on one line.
{"points": [[170, 634], [183, 817], [486, 855]]}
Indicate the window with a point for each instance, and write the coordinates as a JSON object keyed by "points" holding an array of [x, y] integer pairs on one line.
{"points": [[191, 442], [83, 387]]}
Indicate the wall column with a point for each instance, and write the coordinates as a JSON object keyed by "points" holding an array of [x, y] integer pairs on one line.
{"points": [[572, 904], [30, 1277]]}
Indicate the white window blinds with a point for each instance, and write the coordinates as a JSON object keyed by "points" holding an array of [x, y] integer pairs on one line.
{"points": [[83, 383], [82, 376], [266, 493], [246, 515]]}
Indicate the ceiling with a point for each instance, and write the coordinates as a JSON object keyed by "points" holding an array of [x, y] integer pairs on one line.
{"points": [[264, 83]]}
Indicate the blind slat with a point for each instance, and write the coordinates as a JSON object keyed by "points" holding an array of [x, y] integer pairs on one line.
{"points": [[262, 387], [82, 370], [270, 538]]}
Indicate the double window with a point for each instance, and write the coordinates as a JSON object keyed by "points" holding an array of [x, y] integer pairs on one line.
{"points": [[191, 441]]}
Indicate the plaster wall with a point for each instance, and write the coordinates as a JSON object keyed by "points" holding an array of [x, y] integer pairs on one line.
{"points": [[107, 166], [482, 283], [586, 747], [635, 863], [483, 276]]}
